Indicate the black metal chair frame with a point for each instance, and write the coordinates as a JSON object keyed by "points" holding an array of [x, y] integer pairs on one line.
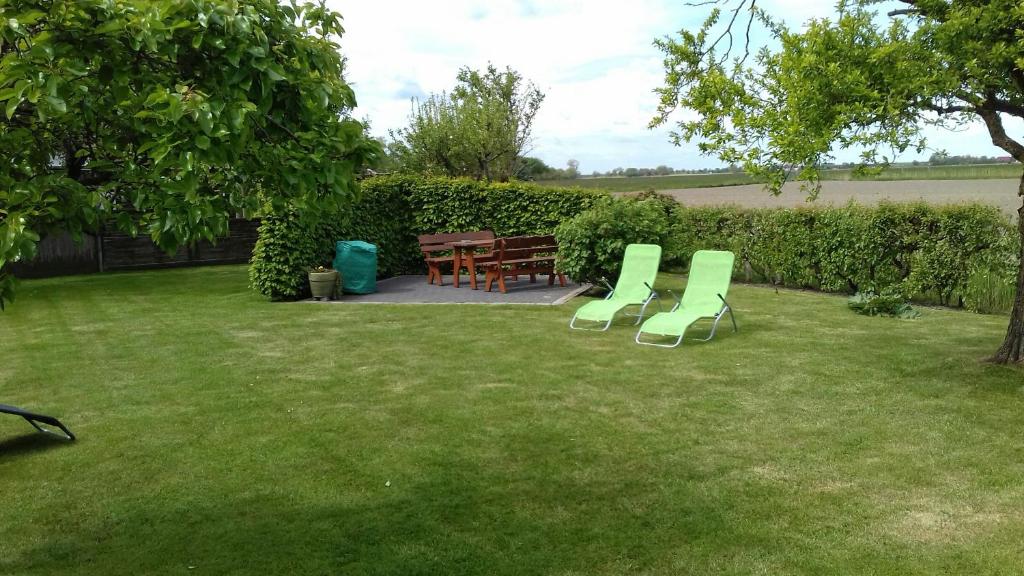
{"points": [[35, 419]]}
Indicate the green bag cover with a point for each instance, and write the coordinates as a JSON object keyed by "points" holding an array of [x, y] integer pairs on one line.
{"points": [[357, 262]]}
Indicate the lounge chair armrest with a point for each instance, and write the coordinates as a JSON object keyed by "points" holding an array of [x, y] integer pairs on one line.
{"points": [[653, 295], [608, 286], [727, 307], [679, 301]]}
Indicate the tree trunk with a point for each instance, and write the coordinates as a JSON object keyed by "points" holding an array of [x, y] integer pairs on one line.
{"points": [[1012, 350]]}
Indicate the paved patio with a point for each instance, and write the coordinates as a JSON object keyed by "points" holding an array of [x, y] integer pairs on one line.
{"points": [[415, 290]]}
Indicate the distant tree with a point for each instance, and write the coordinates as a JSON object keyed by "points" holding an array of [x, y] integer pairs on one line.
{"points": [[166, 118], [631, 172], [850, 81], [480, 129], [531, 168], [944, 159], [572, 169]]}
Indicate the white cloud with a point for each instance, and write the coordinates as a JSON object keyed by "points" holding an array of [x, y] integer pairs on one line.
{"points": [[594, 60]]}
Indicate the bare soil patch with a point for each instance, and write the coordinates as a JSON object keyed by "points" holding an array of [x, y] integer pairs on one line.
{"points": [[1001, 193]]}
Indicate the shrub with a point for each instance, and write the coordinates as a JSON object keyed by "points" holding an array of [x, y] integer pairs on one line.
{"points": [[286, 248], [591, 245], [992, 280], [888, 303]]}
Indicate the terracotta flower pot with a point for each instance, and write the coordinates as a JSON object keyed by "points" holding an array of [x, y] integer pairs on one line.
{"points": [[324, 285]]}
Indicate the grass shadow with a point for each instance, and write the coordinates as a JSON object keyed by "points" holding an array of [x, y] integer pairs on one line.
{"points": [[444, 522], [30, 443]]}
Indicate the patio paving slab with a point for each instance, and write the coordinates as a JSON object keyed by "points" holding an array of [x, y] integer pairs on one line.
{"points": [[415, 290]]}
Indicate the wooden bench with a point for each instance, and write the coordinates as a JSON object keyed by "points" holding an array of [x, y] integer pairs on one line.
{"points": [[437, 252], [522, 255]]}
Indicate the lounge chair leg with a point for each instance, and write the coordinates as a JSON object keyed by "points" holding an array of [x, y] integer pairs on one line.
{"points": [[643, 307], [727, 308], [572, 324], [714, 328], [673, 345]]}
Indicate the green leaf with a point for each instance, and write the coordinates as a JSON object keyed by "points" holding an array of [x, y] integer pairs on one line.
{"points": [[202, 142], [205, 119], [112, 26], [30, 17], [58, 104], [275, 73], [12, 105]]}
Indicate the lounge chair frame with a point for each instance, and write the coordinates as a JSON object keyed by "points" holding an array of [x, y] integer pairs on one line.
{"points": [[34, 419], [639, 317], [717, 318]]}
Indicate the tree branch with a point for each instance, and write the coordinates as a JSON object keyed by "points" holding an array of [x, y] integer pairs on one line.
{"points": [[998, 132], [946, 109]]}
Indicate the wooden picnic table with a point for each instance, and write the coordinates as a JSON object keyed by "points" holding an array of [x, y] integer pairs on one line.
{"points": [[465, 250]]}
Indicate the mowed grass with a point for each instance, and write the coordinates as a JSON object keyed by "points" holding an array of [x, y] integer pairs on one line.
{"points": [[220, 434], [685, 181]]}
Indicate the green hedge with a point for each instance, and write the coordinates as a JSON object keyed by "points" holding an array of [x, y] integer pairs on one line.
{"points": [[392, 211], [592, 244], [951, 255], [286, 248]]}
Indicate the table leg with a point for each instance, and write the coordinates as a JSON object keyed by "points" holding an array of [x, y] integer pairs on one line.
{"points": [[471, 266], [456, 265]]}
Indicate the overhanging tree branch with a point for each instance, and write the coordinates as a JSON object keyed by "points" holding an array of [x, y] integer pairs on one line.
{"points": [[998, 133]]}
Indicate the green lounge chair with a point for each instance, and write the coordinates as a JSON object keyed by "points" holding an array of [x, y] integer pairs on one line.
{"points": [[639, 270], [706, 289]]}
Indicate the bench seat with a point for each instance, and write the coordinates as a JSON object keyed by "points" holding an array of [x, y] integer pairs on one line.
{"points": [[521, 255], [437, 252]]}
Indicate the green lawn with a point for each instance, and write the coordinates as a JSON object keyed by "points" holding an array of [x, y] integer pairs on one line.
{"points": [[684, 181], [220, 434]]}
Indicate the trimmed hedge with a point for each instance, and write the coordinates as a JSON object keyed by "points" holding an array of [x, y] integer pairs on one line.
{"points": [[392, 211], [936, 254], [286, 248]]}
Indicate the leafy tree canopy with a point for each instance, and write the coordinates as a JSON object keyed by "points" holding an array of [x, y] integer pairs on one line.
{"points": [[531, 168], [480, 130], [868, 79], [166, 117]]}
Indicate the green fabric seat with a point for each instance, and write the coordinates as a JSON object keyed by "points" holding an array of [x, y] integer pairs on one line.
{"points": [[704, 297], [633, 288]]}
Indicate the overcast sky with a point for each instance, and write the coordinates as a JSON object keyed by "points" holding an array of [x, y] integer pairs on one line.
{"points": [[593, 59]]}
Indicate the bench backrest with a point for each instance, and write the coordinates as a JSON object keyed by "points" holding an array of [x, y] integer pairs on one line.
{"points": [[430, 243], [520, 247]]}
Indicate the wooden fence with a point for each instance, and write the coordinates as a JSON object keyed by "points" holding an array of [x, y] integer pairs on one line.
{"points": [[59, 255]]}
